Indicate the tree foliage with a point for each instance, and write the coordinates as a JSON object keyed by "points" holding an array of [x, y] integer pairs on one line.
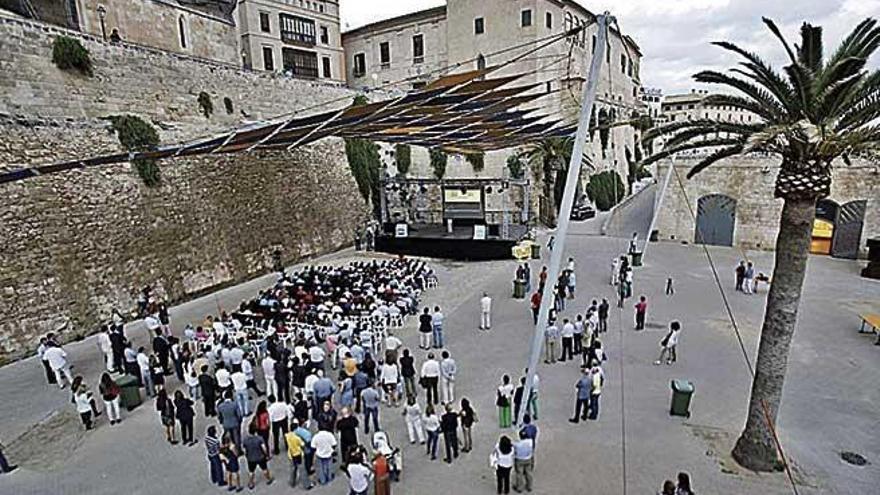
{"points": [[515, 166], [70, 55], [438, 162], [365, 165], [477, 161], [402, 158], [605, 189], [604, 129], [135, 134]]}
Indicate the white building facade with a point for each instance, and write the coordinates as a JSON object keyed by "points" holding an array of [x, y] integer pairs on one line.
{"points": [[300, 38], [466, 35]]}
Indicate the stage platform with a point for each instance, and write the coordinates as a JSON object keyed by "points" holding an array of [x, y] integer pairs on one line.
{"points": [[434, 241]]}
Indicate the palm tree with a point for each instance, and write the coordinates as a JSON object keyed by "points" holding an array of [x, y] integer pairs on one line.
{"points": [[814, 112], [548, 158]]}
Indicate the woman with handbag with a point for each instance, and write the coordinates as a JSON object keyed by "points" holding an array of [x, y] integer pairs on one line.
{"points": [[503, 397], [501, 460]]}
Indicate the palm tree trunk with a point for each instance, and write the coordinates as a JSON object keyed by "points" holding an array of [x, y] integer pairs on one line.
{"points": [[756, 448]]}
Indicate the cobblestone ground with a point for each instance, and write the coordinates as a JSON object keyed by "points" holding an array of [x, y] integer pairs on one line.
{"points": [[829, 404]]}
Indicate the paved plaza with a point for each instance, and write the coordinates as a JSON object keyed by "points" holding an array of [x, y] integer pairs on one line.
{"points": [[829, 404]]}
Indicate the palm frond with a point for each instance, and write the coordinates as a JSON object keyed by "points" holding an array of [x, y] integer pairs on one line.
{"points": [[761, 96], [743, 104], [810, 50], [713, 158], [775, 30], [692, 145], [854, 39], [730, 129], [761, 72]]}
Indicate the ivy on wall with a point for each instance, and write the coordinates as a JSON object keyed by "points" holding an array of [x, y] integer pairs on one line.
{"points": [[438, 162], [70, 55], [135, 134], [477, 161], [365, 165], [403, 158]]}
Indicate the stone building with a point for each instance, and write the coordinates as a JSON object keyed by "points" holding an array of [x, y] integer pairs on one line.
{"points": [[465, 35], [731, 203], [74, 245], [692, 106], [198, 28], [300, 38]]}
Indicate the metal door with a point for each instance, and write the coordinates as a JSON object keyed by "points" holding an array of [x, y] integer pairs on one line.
{"points": [[848, 231], [716, 216]]}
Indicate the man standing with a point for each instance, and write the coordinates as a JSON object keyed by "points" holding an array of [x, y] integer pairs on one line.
{"points": [[57, 359], [597, 381], [408, 371], [347, 426], [143, 362], [256, 453], [603, 316], [437, 322], [239, 386], [324, 445], [208, 388], [536, 305], [485, 312], [162, 350], [449, 427], [523, 462], [41, 353], [748, 278], [740, 275], [106, 347], [371, 400], [448, 370], [429, 376], [230, 418], [579, 326], [279, 416], [295, 454], [323, 391], [551, 337], [582, 398], [567, 340], [268, 365], [641, 311]]}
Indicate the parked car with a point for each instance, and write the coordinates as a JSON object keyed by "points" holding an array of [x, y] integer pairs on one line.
{"points": [[582, 212]]}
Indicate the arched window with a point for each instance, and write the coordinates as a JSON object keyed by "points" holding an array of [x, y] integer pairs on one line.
{"points": [[182, 29], [568, 21]]}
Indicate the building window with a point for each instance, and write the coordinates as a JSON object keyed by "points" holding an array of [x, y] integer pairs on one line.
{"points": [[300, 63], [297, 30], [569, 21], [328, 74], [385, 54], [268, 59], [595, 41], [264, 23], [629, 68], [622, 63], [418, 48], [526, 18], [360, 65], [548, 20], [182, 29], [325, 35], [479, 25]]}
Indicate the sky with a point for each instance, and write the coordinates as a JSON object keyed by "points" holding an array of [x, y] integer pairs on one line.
{"points": [[675, 35]]}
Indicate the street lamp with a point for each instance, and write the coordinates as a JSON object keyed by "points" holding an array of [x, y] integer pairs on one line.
{"points": [[102, 13]]}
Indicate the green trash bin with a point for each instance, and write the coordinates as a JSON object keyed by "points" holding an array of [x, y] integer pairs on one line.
{"points": [[519, 289], [637, 259], [681, 398], [536, 251], [129, 392]]}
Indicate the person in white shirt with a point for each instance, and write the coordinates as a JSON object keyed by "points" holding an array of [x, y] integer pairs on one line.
{"points": [[316, 357], [430, 376], [669, 344], [268, 365], [106, 348], [390, 376], [239, 384], [57, 359], [236, 356], [567, 340], [412, 413], [448, 370], [437, 327], [485, 312], [279, 417], [143, 362], [223, 380], [392, 344], [615, 270], [551, 340], [359, 477], [324, 445]]}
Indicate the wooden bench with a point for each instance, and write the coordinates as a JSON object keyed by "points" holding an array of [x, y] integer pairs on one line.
{"points": [[870, 320]]}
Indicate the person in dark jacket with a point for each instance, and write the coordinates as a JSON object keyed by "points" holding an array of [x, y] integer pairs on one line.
{"points": [[165, 406], [185, 415], [408, 371], [208, 387], [230, 419], [449, 427], [117, 344], [162, 349]]}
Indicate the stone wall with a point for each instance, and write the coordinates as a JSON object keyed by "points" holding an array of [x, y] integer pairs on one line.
{"points": [[76, 244], [750, 180], [160, 86]]}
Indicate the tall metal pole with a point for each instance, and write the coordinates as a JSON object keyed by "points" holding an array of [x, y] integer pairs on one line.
{"points": [[588, 98]]}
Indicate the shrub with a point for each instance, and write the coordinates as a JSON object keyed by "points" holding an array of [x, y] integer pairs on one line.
{"points": [[516, 166], [477, 161], [206, 105], [69, 54], [135, 134], [403, 158], [438, 162], [606, 189]]}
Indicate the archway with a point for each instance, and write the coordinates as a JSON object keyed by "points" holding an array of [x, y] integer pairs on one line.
{"points": [[848, 231], [824, 226], [716, 219]]}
